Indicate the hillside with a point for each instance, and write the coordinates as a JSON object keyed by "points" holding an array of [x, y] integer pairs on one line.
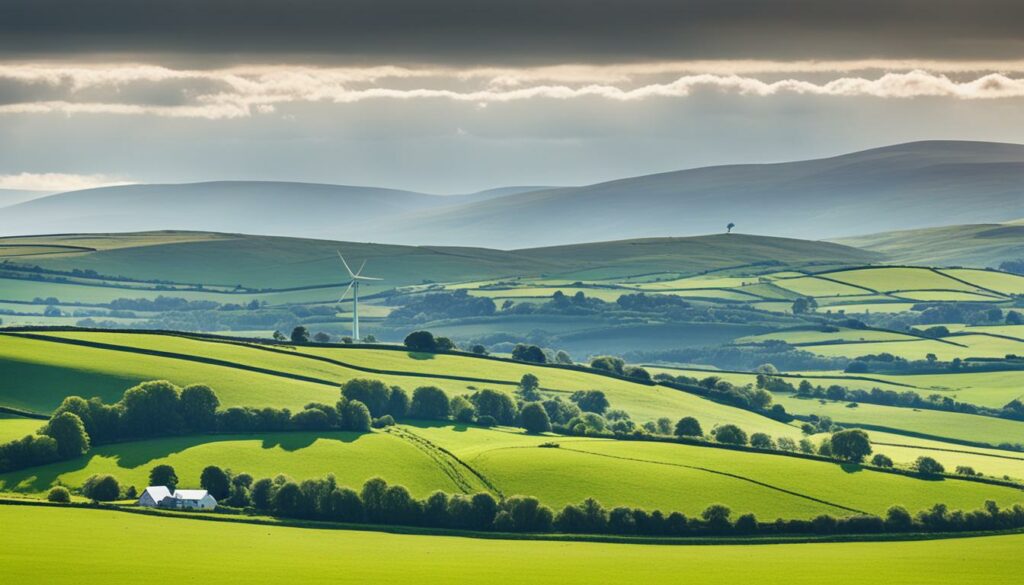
{"points": [[277, 262], [981, 245], [904, 186]]}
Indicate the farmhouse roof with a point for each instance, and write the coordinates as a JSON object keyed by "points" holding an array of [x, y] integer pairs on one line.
{"points": [[190, 494], [158, 492]]}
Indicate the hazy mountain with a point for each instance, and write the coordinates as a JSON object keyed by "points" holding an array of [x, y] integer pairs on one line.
{"points": [[983, 245], [910, 185], [913, 185], [14, 196]]}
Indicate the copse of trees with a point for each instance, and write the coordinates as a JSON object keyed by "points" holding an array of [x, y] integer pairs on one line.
{"points": [[377, 502], [378, 397], [424, 341], [102, 488], [851, 445]]}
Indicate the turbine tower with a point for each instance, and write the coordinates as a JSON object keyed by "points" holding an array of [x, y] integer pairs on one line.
{"points": [[353, 286]]}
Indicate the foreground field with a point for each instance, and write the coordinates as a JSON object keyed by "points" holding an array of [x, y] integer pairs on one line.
{"points": [[46, 545]]}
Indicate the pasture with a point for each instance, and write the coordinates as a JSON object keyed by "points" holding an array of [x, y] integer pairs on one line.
{"points": [[45, 545]]}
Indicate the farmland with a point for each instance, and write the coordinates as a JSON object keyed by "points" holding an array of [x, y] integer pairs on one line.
{"points": [[44, 543]]}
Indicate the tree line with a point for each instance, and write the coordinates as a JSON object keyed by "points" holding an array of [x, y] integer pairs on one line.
{"points": [[377, 502]]}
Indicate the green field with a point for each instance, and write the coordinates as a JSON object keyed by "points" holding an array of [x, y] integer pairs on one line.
{"points": [[46, 545]]}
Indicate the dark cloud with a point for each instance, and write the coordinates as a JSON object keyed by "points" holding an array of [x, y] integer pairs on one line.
{"points": [[520, 31]]}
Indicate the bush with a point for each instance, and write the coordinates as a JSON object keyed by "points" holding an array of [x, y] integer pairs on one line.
{"points": [[69, 432], [462, 409], [382, 422], [376, 395], [928, 466], [59, 494], [730, 435], [486, 421], [163, 475], [762, 441], [420, 341], [534, 418], [590, 401], [880, 460], [851, 445], [529, 353], [688, 427], [102, 488], [495, 404], [429, 402], [355, 416]]}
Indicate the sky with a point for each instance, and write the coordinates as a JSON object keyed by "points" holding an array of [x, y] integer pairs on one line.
{"points": [[455, 96]]}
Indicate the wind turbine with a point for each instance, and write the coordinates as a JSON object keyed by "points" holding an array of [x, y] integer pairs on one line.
{"points": [[353, 286]]}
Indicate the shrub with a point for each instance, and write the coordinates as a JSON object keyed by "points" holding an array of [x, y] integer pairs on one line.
{"points": [[688, 427], [762, 441], [730, 435], [486, 421], [851, 445], [534, 418], [69, 432], [590, 400], [382, 422], [59, 494], [966, 470], [928, 466], [102, 488], [880, 460], [429, 402], [163, 475], [355, 416], [462, 409]]}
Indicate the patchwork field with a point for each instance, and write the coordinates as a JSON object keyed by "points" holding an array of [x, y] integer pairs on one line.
{"points": [[45, 544]]}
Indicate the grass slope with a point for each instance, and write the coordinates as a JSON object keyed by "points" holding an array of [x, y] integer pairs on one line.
{"points": [[45, 545]]}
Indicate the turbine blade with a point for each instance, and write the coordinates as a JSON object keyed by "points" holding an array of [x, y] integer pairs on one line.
{"points": [[361, 266], [347, 269], [345, 294], [367, 278]]}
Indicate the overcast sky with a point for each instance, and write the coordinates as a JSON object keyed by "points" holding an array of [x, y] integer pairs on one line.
{"points": [[453, 96]]}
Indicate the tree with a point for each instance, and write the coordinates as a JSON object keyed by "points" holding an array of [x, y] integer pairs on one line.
{"points": [[355, 416], [495, 404], [163, 475], [729, 226], [534, 418], [322, 337], [420, 341], [851, 445], [288, 500], [376, 395], [398, 402], [688, 427], [563, 357], [762, 441], [216, 481], [529, 387], [300, 335], [443, 344], [462, 409], [278, 336], [199, 407], [804, 305], [478, 349], [529, 353], [101, 488], [590, 400], [928, 466], [59, 495], [262, 493], [730, 435], [429, 402], [69, 432], [151, 408], [717, 516], [1014, 318], [880, 460]]}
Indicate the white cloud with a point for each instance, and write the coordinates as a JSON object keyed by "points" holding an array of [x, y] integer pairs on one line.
{"points": [[245, 91], [57, 181]]}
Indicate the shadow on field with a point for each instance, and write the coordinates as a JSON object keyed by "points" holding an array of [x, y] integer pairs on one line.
{"points": [[421, 356], [851, 467], [437, 424]]}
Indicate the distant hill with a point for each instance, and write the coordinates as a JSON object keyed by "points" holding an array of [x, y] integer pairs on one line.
{"points": [[15, 196], [980, 245], [278, 262], [906, 186], [920, 184]]}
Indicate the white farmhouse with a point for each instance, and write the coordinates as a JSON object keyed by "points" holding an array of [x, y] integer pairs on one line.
{"points": [[191, 500], [158, 495], [153, 495]]}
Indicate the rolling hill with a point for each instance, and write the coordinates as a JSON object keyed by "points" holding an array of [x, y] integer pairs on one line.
{"points": [[904, 186], [986, 244]]}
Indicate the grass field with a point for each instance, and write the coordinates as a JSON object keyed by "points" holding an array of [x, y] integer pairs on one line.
{"points": [[638, 474], [13, 427], [46, 371], [45, 545], [935, 423]]}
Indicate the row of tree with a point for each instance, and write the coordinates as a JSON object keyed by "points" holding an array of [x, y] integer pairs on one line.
{"points": [[377, 502]]}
